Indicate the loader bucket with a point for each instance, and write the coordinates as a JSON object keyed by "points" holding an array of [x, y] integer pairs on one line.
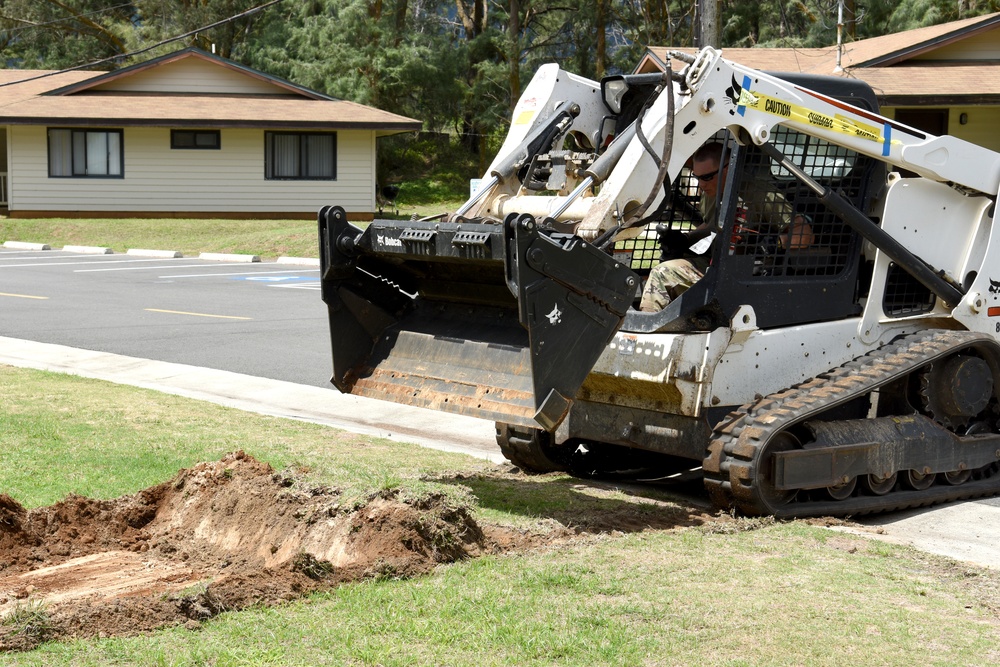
{"points": [[501, 322]]}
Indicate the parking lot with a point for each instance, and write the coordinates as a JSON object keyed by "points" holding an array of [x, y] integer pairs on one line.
{"points": [[262, 318]]}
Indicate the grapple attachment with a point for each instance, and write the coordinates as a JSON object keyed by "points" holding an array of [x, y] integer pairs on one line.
{"points": [[497, 321]]}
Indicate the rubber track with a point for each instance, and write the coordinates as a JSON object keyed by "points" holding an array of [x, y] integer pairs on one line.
{"points": [[731, 466]]}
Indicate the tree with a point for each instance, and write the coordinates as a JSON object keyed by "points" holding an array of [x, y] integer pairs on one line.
{"points": [[640, 23], [53, 34], [775, 23], [163, 19], [390, 54], [910, 14]]}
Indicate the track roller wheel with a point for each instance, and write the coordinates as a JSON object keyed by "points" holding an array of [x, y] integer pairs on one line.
{"points": [[956, 477], [843, 490], [771, 497], [530, 449], [877, 485], [918, 480]]}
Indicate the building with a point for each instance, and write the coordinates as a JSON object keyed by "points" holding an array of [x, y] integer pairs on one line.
{"points": [[188, 134], [943, 79]]}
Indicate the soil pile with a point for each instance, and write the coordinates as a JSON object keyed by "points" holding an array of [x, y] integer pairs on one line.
{"points": [[219, 536]]}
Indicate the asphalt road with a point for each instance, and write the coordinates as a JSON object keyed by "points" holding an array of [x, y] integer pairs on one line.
{"points": [[253, 336], [260, 319]]}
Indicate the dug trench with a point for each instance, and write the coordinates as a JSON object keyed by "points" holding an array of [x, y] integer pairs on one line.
{"points": [[221, 536]]}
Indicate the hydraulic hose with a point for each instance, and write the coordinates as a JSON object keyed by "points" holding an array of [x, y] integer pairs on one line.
{"points": [[668, 143]]}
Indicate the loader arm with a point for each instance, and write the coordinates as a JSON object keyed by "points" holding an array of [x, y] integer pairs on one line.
{"points": [[713, 94]]}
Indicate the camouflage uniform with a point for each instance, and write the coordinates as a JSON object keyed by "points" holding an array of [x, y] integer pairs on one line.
{"points": [[668, 280]]}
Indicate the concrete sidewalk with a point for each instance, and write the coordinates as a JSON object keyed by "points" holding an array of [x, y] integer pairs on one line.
{"points": [[451, 433]]}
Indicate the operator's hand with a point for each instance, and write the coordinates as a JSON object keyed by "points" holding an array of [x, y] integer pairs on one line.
{"points": [[673, 243]]}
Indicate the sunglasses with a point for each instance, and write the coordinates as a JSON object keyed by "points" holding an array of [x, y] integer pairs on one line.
{"points": [[709, 177]]}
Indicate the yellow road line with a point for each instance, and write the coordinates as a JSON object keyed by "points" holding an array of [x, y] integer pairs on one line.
{"points": [[182, 312], [23, 296]]}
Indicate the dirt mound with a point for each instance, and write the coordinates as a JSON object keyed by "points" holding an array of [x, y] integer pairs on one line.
{"points": [[219, 536]]}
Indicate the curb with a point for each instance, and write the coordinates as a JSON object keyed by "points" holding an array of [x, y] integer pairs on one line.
{"points": [[22, 245], [140, 252], [88, 249], [228, 257], [163, 254]]}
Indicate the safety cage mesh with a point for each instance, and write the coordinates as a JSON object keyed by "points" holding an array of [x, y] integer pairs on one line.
{"points": [[777, 221], [904, 295]]}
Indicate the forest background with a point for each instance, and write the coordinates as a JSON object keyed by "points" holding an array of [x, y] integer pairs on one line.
{"points": [[456, 65]]}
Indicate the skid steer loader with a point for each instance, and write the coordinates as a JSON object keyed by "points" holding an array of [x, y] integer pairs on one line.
{"points": [[855, 375]]}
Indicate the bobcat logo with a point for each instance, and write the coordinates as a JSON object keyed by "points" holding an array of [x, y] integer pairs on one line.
{"points": [[994, 286], [555, 317], [738, 94], [734, 92]]}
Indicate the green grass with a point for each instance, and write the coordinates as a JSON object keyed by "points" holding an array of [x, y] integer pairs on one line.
{"points": [[64, 434], [668, 588], [268, 238]]}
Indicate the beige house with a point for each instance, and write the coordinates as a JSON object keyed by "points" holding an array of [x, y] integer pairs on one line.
{"points": [[944, 79], [189, 134]]}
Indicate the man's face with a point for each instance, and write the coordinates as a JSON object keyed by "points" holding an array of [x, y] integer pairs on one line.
{"points": [[707, 173]]}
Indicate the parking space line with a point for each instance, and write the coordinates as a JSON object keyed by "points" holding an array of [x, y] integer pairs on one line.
{"points": [[235, 273], [139, 268], [46, 256], [97, 259], [24, 296], [27, 256], [183, 312]]}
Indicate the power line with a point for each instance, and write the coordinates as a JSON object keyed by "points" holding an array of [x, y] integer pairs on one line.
{"points": [[62, 20], [131, 54]]}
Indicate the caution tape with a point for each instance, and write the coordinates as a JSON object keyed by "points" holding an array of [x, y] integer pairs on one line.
{"points": [[800, 114]]}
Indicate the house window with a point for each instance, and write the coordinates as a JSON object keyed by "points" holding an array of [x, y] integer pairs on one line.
{"points": [[310, 156], [85, 153], [195, 139]]}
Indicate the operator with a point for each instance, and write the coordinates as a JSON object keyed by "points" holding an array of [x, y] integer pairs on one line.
{"points": [[670, 279]]}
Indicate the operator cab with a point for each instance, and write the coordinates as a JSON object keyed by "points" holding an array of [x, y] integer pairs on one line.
{"points": [[753, 259]]}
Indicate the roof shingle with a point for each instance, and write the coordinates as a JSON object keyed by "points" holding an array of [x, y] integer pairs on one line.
{"points": [[23, 100], [885, 62]]}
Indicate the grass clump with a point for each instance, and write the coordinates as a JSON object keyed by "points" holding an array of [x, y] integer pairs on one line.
{"points": [[27, 622]]}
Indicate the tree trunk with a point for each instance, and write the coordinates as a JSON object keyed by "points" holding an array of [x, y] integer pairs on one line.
{"points": [[514, 52], [708, 20], [601, 57], [402, 6], [473, 19]]}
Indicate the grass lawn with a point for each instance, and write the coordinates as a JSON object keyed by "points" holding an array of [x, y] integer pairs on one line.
{"points": [[713, 593]]}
